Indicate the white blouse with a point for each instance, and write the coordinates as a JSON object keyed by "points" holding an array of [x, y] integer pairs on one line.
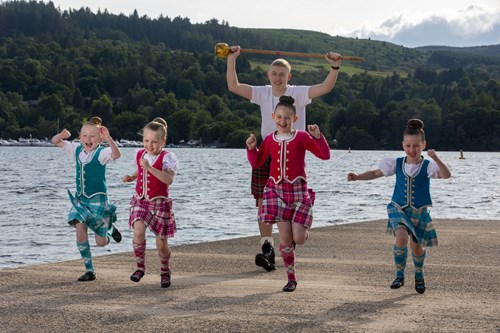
{"points": [[388, 167], [170, 161], [104, 157]]}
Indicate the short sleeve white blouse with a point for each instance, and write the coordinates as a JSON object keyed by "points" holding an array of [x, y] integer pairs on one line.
{"points": [[388, 167]]}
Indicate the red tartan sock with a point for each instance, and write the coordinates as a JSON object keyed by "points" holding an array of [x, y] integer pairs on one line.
{"points": [[287, 252], [140, 255], [165, 263]]}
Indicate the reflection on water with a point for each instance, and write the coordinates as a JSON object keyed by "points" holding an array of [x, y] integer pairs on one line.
{"points": [[212, 198]]}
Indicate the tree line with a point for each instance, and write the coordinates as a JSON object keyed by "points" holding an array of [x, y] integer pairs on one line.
{"points": [[58, 67]]}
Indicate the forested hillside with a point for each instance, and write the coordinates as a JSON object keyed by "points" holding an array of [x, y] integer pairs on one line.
{"points": [[66, 65]]}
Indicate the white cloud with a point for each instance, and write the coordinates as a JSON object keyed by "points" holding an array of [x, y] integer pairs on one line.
{"points": [[471, 26]]}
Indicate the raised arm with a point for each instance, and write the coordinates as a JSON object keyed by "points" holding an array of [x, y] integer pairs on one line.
{"points": [[326, 86], [115, 151], [234, 86], [255, 156], [59, 138], [444, 171], [319, 146]]}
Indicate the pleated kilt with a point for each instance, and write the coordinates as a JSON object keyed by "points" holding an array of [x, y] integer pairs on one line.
{"points": [[287, 202], [418, 222], [156, 214], [260, 176], [97, 212]]}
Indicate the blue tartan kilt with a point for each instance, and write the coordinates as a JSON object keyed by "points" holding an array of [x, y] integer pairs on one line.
{"points": [[97, 212], [418, 222]]}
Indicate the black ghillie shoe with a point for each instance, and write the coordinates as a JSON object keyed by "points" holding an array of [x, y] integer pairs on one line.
{"points": [[117, 236], [165, 280], [137, 276], [266, 259], [420, 285], [290, 286], [88, 276], [398, 283]]}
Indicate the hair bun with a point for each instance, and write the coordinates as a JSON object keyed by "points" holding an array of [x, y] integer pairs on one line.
{"points": [[287, 99], [161, 121], [95, 121], [415, 124]]}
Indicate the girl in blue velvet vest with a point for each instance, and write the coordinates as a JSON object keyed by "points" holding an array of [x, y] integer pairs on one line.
{"points": [[91, 208], [408, 212]]}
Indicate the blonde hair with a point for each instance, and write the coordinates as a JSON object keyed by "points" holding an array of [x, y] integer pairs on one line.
{"points": [[158, 125], [95, 121], [281, 63]]}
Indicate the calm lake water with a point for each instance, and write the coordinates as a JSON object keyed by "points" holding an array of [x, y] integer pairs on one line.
{"points": [[212, 199]]}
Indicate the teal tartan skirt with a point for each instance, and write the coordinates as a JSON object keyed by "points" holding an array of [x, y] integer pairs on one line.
{"points": [[97, 212], [418, 222]]}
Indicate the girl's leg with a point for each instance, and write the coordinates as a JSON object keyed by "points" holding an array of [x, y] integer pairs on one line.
{"points": [[101, 241], [164, 253], [139, 245], [400, 252], [300, 233], [287, 251], [82, 242], [418, 253]]}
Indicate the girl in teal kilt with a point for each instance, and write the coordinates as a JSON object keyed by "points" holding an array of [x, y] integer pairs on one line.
{"points": [[91, 208], [408, 211]]}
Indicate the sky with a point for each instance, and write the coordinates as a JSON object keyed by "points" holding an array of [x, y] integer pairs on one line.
{"points": [[408, 23]]}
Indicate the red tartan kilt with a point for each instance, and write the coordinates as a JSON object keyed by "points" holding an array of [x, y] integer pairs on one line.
{"points": [[260, 176], [288, 202], [157, 215]]}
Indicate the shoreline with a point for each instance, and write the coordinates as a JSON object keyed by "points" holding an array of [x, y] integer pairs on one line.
{"points": [[344, 272]]}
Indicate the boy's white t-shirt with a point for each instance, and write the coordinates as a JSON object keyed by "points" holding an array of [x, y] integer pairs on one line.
{"points": [[263, 96]]}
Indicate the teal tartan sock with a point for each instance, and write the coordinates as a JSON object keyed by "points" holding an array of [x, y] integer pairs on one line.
{"points": [[400, 256], [84, 249], [418, 262]]}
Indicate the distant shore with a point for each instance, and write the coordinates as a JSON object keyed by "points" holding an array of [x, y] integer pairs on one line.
{"points": [[121, 143], [344, 273]]}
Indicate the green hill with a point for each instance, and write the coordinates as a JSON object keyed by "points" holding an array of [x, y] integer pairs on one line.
{"points": [[59, 67]]}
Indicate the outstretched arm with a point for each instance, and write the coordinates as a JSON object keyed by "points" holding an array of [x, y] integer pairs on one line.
{"points": [[234, 86], [327, 85], [368, 175], [444, 171], [130, 178]]}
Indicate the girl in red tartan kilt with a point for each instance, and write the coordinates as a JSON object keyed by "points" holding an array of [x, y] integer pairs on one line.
{"points": [[150, 206], [287, 200]]}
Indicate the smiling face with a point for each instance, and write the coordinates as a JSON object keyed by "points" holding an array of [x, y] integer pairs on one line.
{"points": [[284, 117], [90, 137], [413, 146], [153, 141], [278, 78]]}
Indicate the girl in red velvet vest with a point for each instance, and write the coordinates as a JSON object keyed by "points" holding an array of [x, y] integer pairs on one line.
{"points": [[151, 206], [287, 199]]}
